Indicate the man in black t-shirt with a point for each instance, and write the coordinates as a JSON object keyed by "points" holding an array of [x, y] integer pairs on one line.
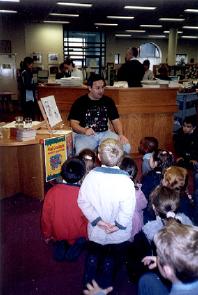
{"points": [[89, 116]]}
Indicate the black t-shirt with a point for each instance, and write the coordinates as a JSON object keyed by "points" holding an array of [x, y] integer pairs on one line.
{"points": [[94, 113]]}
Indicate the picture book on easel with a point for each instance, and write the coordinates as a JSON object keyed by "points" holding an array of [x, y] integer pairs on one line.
{"points": [[50, 111]]}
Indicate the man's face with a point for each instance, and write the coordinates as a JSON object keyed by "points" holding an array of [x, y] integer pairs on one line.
{"points": [[97, 90], [187, 128]]}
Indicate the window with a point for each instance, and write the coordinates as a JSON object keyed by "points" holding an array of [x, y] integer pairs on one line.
{"points": [[87, 49], [152, 52]]}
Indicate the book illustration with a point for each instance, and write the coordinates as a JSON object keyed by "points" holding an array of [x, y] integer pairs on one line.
{"points": [[51, 110]]}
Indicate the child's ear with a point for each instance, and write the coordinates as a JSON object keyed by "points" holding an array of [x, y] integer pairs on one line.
{"points": [[99, 157], [169, 272]]}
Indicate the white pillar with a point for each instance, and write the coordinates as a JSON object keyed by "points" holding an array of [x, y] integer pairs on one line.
{"points": [[172, 46]]}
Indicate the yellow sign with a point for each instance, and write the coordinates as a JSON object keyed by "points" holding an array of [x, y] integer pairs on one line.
{"points": [[55, 156]]}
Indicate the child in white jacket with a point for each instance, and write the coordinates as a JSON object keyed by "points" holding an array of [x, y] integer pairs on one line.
{"points": [[107, 199]]}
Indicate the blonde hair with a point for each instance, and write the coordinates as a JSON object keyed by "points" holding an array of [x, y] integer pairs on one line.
{"points": [[175, 177], [110, 152], [177, 246]]}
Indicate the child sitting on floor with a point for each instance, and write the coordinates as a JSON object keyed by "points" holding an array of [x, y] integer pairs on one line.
{"points": [[107, 199], [177, 261], [128, 164], [147, 146], [62, 221]]}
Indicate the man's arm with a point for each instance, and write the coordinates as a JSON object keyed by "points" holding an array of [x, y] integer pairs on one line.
{"points": [[75, 125], [117, 125]]}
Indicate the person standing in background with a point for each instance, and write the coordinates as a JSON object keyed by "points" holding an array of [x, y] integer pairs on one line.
{"points": [[28, 88], [132, 70], [148, 74]]}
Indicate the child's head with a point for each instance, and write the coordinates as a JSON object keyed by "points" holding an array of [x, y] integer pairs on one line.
{"points": [[175, 177], [177, 251], [161, 160], [110, 152], [148, 144], [129, 165], [189, 124], [89, 157], [73, 170], [164, 200]]}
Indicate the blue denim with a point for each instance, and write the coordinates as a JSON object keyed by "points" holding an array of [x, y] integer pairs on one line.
{"points": [[92, 142], [151, 284]]}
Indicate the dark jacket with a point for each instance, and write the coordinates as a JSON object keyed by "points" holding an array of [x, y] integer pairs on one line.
{"points": [[132, 71]]}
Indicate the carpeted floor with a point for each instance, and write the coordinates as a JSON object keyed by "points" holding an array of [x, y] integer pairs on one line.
{"points": [[27, 267]]}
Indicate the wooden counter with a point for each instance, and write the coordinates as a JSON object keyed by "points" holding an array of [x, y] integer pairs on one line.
{"points": [[143, 111]]}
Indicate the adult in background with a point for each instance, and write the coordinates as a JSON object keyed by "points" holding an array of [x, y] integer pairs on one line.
{"points": [[148, 74], [63, 71], [72, 69], [132, 70], [28, 87], [89, 116]]}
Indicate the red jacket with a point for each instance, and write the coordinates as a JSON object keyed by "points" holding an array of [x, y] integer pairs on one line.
{"points": [[61, 217]]}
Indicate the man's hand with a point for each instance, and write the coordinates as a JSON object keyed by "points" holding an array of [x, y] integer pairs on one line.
{"points": [[150, 261], [89, 131], [94, 289], [123, 139]]}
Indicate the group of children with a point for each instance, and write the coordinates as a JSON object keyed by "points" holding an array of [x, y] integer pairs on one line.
{"points": [[100, 205]]}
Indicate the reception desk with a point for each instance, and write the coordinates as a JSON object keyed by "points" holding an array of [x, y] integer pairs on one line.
{"points": [[143, 111]]}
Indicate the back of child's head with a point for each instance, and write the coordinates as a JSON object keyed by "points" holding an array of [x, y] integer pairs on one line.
{"points": [[129, 165], [148, 144], [89, 157], [175, 177], [164, 200], [177, 246], [73, 170], [110, 152], [161, 160]]}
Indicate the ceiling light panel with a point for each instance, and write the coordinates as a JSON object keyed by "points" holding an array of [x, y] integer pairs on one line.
{"points": [[8, 11], [191, 10], [169, 19], [151, 26], [190, 27], [55, 22], [105, 24], [64, 14], [139, 7], [120, 17], [74, 4], [135, 31], [123, 35]]}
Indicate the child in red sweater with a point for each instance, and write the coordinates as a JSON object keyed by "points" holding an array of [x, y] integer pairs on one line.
{"points": [[62, 221]]}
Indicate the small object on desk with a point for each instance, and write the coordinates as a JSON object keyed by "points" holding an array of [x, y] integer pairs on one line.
{"points": [[28, 122], [19, 121], [25, 134]]}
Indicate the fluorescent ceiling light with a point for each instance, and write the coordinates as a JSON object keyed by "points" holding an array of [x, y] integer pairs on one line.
{"points": [[9, 0], [105, 24], [191, 10], [139, 7], [151, 26], [119, 17], [8, 11], [169, 19], [135, 31], [167, 32], [190, 27], [156, 36], [122, 35], [189, 37], [64, 14], [56, 22], [74, 4]]}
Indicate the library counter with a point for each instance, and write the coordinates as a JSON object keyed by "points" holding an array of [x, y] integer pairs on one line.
{"points": [[143, 111]]}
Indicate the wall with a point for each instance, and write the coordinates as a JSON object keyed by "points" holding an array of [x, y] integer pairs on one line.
{"points": [[48, 38]]}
